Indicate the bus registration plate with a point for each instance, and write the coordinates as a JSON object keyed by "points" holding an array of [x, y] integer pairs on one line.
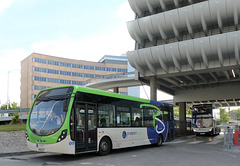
{"points": [[40, 147]]}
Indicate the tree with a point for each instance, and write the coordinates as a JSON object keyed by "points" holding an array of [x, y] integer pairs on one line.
{"points": [[224, 116], [176, 112], [237, 112], [12, 105]]}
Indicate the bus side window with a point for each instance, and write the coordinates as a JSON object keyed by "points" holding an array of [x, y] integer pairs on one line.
{"points": [[137, 117], [106, 115], [166, 116], [148, 116], [123, 116]]}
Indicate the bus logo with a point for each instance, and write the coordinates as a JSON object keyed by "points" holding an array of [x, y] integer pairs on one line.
{"points": [[71, 143], [124, 134]]}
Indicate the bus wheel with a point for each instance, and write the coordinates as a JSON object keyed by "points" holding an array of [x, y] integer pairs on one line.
{"points": [[159, 140], [104, 146]]}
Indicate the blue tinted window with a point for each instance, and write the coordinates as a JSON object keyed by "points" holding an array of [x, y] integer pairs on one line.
{"points": [[65, 81], [65, 73], [53, 71], [74, 66], [36, 87], [77, 65], [52, 80]]}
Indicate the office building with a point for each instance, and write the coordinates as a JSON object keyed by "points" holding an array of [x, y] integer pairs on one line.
{"points": [[39, 71]]}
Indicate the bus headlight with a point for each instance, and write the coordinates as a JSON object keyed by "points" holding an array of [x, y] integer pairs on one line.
{"points": [[210, 129], [62, 136], [26, 135], [194, 130]]}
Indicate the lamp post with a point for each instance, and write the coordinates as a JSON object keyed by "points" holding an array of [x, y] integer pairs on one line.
{"points": [[8, 90]]}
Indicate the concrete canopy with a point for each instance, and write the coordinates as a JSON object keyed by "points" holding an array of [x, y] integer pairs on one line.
{"points": [[191, 46]]}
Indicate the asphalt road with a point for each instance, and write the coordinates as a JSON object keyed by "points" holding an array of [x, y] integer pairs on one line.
{"points": [[184, 151]]}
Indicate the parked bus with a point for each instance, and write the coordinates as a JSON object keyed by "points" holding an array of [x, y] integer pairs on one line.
{"points": [[75, 119], [203, 120]]}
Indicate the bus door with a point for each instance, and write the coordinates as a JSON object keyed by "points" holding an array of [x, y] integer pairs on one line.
{"points": [[86, 127]]}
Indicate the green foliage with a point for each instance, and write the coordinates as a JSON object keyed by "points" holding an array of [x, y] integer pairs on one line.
{"points": [[237, 112], [15, 119], [189, 112], [176, 111], [12, 105], [224, 116]]}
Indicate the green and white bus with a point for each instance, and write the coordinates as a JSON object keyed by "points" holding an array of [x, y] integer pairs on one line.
{"points": [[75, 119]]}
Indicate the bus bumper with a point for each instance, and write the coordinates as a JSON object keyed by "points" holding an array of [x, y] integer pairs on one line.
{"points": [[66, 146]]}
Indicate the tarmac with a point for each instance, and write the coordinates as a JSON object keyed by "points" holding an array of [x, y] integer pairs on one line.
{"points": [[12, 143]]}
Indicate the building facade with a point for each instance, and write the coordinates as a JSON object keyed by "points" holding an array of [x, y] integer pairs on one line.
{"points": [[188, 48], [39, 71]]}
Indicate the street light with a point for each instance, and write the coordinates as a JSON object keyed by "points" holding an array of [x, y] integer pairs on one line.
{"points": [[8, 90]]}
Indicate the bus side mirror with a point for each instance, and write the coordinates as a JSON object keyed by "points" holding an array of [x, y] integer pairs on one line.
{"points": [[65, 106]]}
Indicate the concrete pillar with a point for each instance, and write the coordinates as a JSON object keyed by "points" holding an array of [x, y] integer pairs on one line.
{"points": [[116, 90], [153, 88], [182, 118]]}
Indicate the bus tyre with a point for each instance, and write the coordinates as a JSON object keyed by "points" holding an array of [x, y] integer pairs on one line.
{"points": [[159, 140], [104, 146]]}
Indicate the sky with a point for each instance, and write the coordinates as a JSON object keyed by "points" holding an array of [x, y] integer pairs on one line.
{"points": [[76, 29]]}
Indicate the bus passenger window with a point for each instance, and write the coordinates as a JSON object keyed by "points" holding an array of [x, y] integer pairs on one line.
{"points": [[123, 116], [106, 115], [148, 116], [102, 122], [137, 117], [137, 122], [166, 116]]}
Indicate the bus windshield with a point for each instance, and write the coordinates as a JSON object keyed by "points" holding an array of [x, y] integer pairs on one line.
{"points": [[202, 116], [48, 114], [203, 121]]}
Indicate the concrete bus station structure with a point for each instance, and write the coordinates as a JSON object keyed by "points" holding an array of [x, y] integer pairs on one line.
{"points": [[188, 48]]}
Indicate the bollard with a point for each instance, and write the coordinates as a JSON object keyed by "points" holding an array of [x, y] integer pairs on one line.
{"points": [[228, 138], [236, 137]]}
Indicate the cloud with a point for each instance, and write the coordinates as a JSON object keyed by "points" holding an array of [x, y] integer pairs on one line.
{"points": [[125, 12], [4, 4], [116, 42], [11, 62]]}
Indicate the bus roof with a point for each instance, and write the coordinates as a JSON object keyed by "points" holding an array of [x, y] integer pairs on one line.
{"points": [[110, 94]]}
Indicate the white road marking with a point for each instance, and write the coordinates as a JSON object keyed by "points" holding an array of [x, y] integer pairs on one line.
{"points": [[213, 142], [194, 142], [178, 142]]}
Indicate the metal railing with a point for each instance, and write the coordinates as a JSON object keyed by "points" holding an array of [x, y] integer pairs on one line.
{"points": [[23, 114], [187, 130]]}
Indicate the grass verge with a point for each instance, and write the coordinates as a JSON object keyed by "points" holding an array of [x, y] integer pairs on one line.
{"points": [[12, 127]]}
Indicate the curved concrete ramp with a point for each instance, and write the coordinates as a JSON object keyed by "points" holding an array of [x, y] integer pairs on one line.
{"points": [[112, 83]]}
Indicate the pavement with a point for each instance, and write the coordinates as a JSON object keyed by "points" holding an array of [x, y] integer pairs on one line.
{"points": [[13, 142]]}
